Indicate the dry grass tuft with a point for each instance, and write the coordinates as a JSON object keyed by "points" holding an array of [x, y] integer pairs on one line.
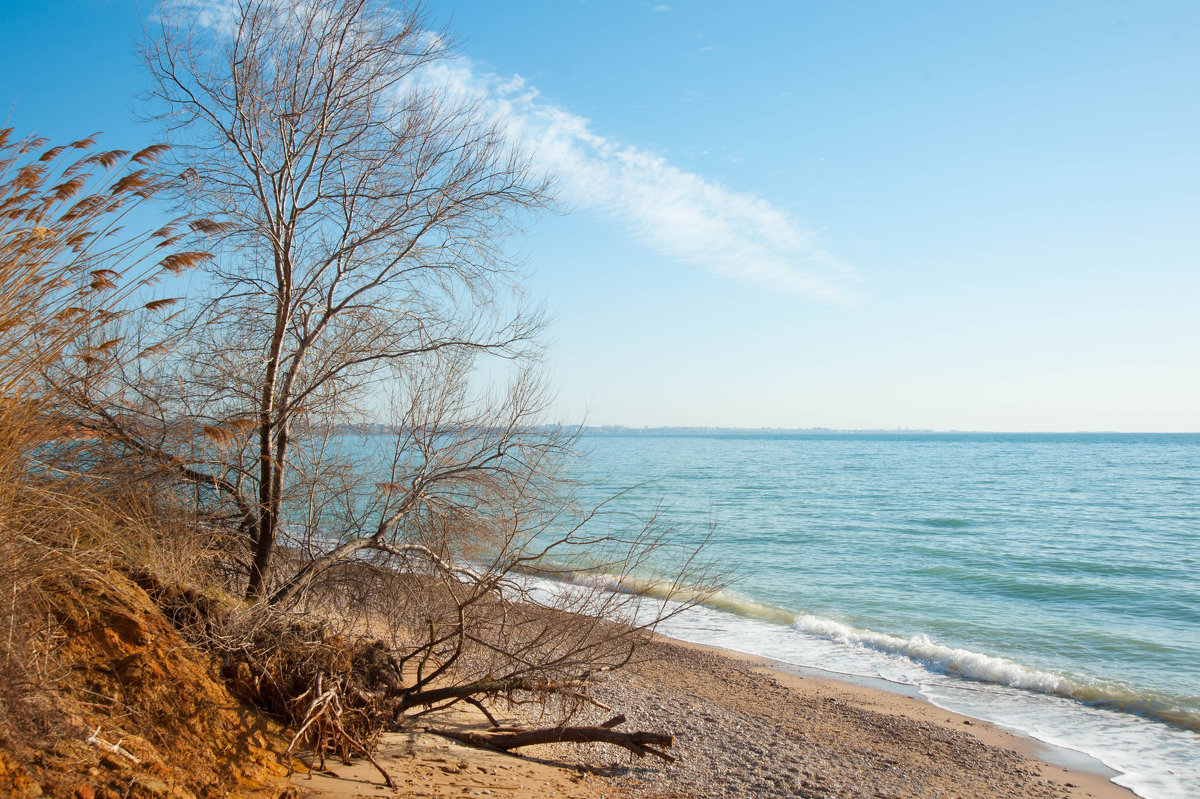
{"points": [[80, 647]]}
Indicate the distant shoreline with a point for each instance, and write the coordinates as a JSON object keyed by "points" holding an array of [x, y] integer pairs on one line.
{"points": [[379, 428], [621, 430]]}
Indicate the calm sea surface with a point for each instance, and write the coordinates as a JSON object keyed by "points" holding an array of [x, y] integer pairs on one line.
{"points": [[1046, 582]]}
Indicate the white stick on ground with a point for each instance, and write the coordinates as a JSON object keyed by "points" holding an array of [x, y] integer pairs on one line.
{"points": [[116, 748]]}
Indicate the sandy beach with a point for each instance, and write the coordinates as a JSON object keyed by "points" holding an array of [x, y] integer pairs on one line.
{"points": [[743, 727]]}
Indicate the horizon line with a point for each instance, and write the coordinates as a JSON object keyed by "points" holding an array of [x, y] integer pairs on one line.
{"points": [[617, 429]]}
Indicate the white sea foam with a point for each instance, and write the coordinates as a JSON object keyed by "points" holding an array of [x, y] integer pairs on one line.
{"points": [[920, 649], [1153, 759], [958, 662]]}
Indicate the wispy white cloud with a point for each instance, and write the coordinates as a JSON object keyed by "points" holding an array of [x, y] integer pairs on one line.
{"points": [[218, 15], [674, 212]]}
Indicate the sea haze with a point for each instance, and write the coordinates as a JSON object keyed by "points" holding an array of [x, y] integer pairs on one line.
{"points": [[1046, 582]]}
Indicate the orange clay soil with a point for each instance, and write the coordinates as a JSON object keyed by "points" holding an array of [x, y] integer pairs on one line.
{"points": [[123, 677]]}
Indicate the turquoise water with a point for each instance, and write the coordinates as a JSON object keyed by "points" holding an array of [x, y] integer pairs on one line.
{"points": [[1046, 582]]}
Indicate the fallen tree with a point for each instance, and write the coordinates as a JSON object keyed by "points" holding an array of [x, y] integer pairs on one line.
{"points": [[507, 739], [340, 692]]}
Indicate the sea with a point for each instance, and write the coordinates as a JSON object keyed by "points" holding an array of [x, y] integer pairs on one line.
{"points": [[1047, 583]]}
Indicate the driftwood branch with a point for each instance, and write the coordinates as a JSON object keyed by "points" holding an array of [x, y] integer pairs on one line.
{"points": [[640, 743], [483, 687]]}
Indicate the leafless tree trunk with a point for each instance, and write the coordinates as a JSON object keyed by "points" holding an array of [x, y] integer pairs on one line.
{"points": [[326, 396], [367, 216]]}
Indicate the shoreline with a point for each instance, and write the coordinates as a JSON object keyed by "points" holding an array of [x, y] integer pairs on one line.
{"points": [[1053, 754], [1088, 776], [744, 726]]}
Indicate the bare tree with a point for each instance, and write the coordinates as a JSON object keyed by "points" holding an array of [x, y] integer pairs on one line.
{"points": [[366, 221], [326, 396]]}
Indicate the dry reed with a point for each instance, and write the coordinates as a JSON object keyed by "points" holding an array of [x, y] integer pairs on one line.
{"points": [[69, 275]]}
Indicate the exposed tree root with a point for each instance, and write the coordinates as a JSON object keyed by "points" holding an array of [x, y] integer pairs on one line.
{"points": [[340, 693]]}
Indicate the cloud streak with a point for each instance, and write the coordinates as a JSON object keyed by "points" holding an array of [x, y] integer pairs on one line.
{"points": [[673, 212]]}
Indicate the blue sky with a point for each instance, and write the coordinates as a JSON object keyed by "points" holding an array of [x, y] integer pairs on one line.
{"points": [[790, 214]]}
